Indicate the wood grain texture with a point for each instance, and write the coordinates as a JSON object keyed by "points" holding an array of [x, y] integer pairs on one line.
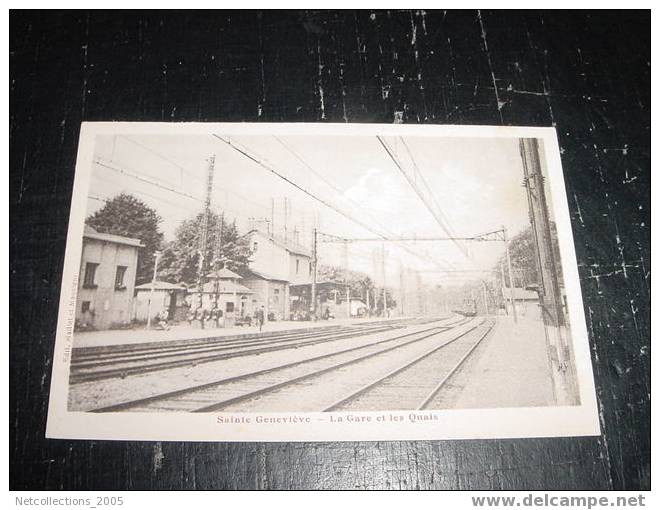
{"points": [[586, 73]]}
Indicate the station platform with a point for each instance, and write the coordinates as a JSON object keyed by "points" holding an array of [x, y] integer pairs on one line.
{"points": [[186, 332], [510, 369]]}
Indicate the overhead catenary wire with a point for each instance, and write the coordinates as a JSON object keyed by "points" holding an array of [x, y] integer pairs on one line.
{"points": [[436, 214], [339, 191], [152, 182], [147, 180], [156, 153], [245, 199], [308, 166], [187, 172], [254, 158], [420, 175], [124, 189], [245, 152]]}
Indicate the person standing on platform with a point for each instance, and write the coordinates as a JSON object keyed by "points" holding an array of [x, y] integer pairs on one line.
{"points": [[260, 318]]}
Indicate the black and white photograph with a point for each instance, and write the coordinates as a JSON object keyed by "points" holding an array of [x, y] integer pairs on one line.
{"points": [[321, 278]]}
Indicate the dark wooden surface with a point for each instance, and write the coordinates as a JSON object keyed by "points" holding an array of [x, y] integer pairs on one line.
{"points": [[588, 74]]}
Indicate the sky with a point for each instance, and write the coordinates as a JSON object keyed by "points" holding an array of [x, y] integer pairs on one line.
{"points": [[476, 182]]}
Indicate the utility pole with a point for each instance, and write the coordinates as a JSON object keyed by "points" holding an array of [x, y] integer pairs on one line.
{"points": [[217, 255], [549, 290], [402, 287], [376, 271], [534, 182], [506, 309], [382, 264], [368, 300], [203, 238], [286, 219], [153, 286], [348, 288], [314, 261], [511, 282], [483, 283], [420, 297]]}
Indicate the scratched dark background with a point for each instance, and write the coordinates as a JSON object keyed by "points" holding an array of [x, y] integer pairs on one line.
{"points": [[586, 73]]}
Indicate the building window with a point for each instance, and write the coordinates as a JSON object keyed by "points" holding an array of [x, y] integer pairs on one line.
{"points": [[85, 306], [297, 266], [276, 291], [229, 306], [255, 245], [119, 278], [90, 275]]}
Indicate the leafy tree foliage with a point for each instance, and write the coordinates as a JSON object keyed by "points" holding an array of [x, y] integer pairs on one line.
{"points": [[126, 215], [524, 261], [360, 284], [181, 257]]}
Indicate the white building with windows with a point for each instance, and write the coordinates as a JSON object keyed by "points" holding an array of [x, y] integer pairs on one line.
{"points": [[106, 280], [280, 258], [276, 263]]}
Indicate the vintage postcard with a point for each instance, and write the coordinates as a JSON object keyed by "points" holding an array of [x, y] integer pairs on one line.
{"points": [[297, 282]]}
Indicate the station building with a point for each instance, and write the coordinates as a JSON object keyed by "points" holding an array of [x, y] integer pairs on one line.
{"points": [[277, 264], [106, 281], [270, 292]]}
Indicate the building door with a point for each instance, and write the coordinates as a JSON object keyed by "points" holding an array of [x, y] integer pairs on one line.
{"points": [[171, 310]]}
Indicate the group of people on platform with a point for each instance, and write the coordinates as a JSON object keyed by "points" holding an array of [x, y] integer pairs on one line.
{"points": [[211, 318]]}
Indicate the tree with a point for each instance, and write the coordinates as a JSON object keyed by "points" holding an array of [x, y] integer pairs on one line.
{"points": [[180, 261], [126, 215], [524, 262], [359, 283]]}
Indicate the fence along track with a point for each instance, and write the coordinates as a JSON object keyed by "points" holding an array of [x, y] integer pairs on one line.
{"points": [[425, 333]]}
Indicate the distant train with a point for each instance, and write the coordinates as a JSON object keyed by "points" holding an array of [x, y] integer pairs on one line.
{"points": [[469, 308]]}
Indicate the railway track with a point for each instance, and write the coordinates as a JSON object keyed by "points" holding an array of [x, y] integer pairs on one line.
{"points": [[219, 394], [125, 360], [417, 383]]}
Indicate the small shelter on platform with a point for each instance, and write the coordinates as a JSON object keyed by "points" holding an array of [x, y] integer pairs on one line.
{"points": [[223, 290], [169, 296]]}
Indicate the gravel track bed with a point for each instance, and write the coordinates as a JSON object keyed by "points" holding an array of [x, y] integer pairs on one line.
{"points": [[318, 392], [409, 388], [93, 394]]}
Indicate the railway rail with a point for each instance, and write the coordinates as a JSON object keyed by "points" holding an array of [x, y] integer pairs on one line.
{"points": [[410, 384], [134, 359], [219, 394]]}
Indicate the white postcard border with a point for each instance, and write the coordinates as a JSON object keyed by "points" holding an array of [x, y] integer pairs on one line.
{"points": [[581, 420]]}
